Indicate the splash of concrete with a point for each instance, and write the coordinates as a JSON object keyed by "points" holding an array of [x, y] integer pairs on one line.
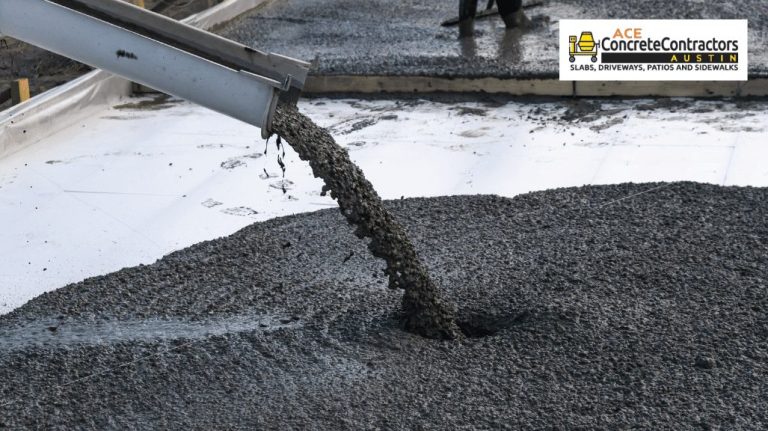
{"points": [[425, 313]]}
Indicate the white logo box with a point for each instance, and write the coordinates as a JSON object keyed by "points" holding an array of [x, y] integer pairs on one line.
{"points": [[653, 50]]}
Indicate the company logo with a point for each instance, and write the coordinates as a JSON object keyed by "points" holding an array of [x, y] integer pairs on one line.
{"points": [[653, 50], [583, 45]]}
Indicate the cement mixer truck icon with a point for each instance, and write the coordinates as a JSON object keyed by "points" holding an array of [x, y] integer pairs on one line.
{"points": [[584, 46]]}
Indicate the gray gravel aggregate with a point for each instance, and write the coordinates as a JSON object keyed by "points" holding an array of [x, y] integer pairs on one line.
{"points": [[404, 38], [601, 307]]}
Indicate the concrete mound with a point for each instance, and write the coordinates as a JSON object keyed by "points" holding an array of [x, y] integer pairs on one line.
{"points": [[600, 307]]}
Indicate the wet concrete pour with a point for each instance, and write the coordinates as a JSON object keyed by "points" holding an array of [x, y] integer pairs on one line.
{"points": [[392, 38], [602, 307], [424, 312]]}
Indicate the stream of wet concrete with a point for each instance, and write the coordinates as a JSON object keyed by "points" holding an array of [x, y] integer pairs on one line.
{"points": [[423, 310]]}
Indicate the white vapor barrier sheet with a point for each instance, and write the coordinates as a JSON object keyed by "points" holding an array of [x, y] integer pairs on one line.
{"points": [[134, 183]]}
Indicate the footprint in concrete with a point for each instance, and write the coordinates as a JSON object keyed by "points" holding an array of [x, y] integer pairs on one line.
{"points": [[352, 125], [473, 133], [210, 203], [235, 162], [240, 211], [232, 163]]}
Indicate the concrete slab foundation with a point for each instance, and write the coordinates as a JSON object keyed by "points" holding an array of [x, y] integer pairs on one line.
{"points": [[372, 46]]}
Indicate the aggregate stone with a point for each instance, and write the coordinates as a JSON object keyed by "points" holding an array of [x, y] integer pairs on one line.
{"points": [[588, 307]]}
